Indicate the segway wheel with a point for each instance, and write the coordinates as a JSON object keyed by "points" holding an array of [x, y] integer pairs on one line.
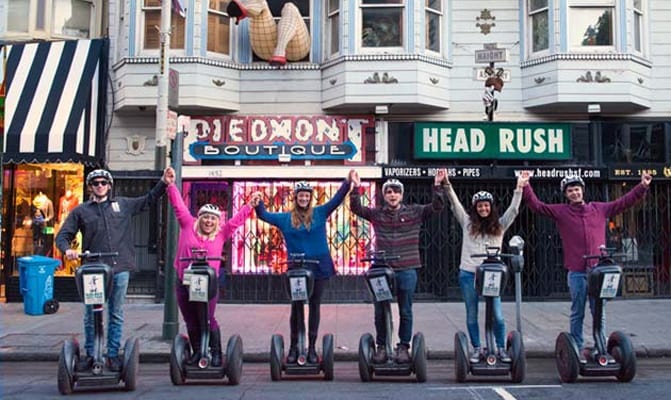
{"points": [[620, 347], [179, 353], [566, 358], [366, 349], [276, 356], [515, 348], [461, 364], [50, 306], [327, 356], [131, 358], [419, 356], [66, 366], [234, 359]]}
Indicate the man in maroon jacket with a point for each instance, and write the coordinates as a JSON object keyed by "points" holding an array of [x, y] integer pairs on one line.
{"points": [[582, 230]]}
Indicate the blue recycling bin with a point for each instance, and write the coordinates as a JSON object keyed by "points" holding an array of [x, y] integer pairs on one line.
{"points": [[36, 280]]}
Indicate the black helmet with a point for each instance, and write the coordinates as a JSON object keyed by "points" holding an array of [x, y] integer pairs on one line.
{"points": [[571, 180], [99, 173], [482, 196]]}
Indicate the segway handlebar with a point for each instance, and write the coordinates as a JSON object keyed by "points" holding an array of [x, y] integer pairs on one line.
{"points": [[88, 255], [380, 257], [200, 255], [298, 260], [606, 252]]}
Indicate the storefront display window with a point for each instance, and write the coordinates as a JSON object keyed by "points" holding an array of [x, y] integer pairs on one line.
{"points": [[258, 248], [44, 196]]}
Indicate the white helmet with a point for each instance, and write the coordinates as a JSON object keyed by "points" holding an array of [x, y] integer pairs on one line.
{"points": [[393, 183], [302, 186], [482, 196], [571, 180], [209, 209]]}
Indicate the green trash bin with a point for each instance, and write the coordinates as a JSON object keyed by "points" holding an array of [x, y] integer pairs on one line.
{"points": [[36, 281]]}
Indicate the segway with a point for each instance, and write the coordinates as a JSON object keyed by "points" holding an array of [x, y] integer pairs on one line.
{"points": [[203, 286], [614, 358], [490, 279], [300, 284], [380, 280], [94, 284]]}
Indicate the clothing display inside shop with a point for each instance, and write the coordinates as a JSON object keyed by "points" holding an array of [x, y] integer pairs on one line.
{"points": [[42, 225]]}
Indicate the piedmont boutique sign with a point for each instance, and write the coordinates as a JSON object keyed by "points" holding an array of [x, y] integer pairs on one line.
{"points": [[276, 138], [494, 141]]}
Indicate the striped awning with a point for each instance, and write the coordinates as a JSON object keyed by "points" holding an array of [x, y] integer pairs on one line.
{"points": [[55, 104]]}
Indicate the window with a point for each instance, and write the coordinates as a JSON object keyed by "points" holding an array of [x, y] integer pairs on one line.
{"points": [[382, 23], [42, 19], [434, 14], [333, 29], [538, 21], [591, 23], [276, 11], [72, 18], [218, 27], [633, 143], [152, 24], [638, 25]]}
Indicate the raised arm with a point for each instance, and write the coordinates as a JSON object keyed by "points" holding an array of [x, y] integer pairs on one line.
{"points": [[238, 219], [438, 202], [513, 209], [265, 215], [182, 213], [339, 197], [142, 203], [355, 199], [630, 198]]}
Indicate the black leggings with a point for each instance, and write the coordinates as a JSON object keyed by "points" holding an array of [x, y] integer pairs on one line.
{"points": [[313, 321]]}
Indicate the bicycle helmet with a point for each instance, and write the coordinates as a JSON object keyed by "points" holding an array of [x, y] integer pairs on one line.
{"points": [[571, 180], [302, 186], [209, 209], [482, 196], [392, 183], [98, 173]]}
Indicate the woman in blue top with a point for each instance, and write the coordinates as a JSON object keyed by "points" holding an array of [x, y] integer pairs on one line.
{"points": [[304, 231]]}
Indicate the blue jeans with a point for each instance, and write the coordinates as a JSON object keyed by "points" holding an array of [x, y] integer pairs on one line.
{"points": [[467, 284], [115, 304], [577, 285], [405, 283]]}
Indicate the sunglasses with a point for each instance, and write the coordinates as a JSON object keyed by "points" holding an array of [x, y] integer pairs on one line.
{"points": [[99, 183]]}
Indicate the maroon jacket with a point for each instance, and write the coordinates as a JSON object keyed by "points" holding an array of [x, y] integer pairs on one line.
{"points": [[582, 227]]}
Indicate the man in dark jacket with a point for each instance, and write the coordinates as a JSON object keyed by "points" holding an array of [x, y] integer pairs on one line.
{"points": [[582, 228], [397, 228], [105, 224]]}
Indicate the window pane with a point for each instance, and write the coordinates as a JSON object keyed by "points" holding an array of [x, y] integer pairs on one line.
{"points": [[16, 15], [303, 7], [382, 27], [381, 1], [218, 33], [637, 31], [334, 5], [537, 4], [591, 26], [540, 33], [40, 15], [72, 18], [638, 4], [434, 4], [633, 143], [152, 19], [433, 32], [335, 33], [178, 31]]}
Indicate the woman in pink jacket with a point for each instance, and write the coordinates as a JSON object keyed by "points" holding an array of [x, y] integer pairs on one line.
{"points": [[204, 232]]}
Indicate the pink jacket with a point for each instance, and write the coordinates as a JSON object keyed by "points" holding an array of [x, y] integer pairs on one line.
{"points": [[189, 239]]}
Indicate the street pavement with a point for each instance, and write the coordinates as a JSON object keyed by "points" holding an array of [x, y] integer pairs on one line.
{"points": [[39, 338]]}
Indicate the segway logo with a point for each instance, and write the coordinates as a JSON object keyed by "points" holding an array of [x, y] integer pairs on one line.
{"points": [[94, 290], [492, 284], [609, 286], [198, 288], [299, 291], [380, 288]]}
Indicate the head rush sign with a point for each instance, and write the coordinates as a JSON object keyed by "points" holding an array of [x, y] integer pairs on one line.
{"points": [[493, 141]]}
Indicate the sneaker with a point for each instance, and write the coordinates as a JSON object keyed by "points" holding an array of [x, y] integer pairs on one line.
{"points": [[585, 355], [402, 354], [85, 363], [504, 356], [380, 355], [292, 357], [114, 363], [475, 355]]}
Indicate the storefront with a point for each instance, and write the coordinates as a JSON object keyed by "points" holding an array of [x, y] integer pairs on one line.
{"points": [[54, 133]]}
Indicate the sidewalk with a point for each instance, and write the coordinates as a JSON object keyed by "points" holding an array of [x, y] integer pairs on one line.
{"points": [[39, 338]]}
